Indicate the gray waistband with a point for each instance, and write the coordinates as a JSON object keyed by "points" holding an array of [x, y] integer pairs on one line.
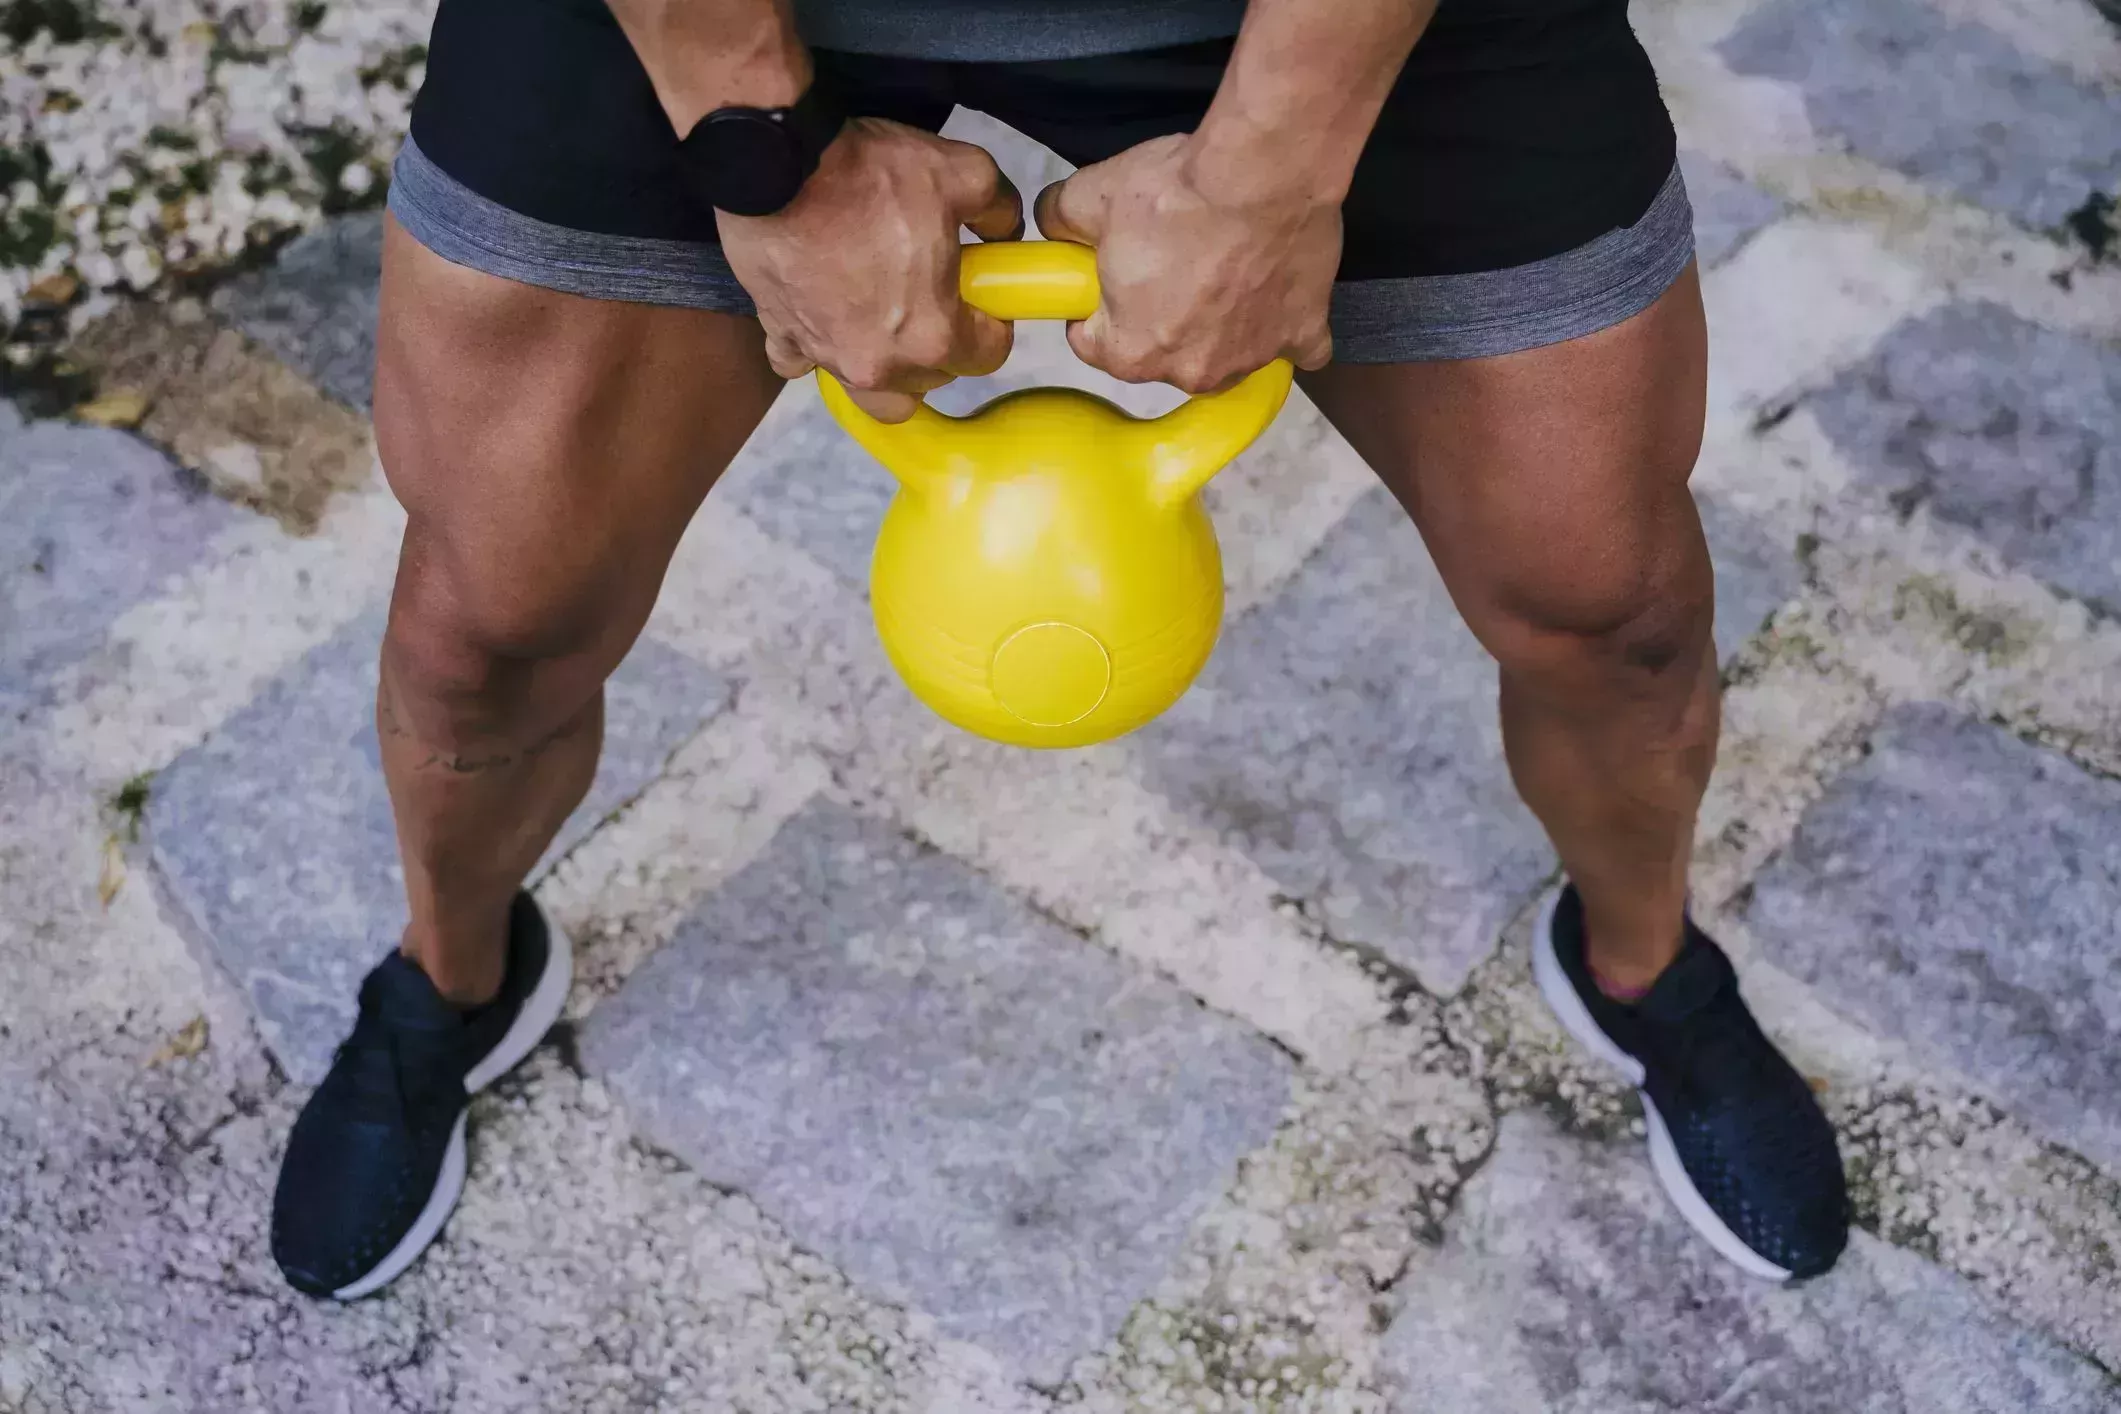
{"points": [[465, 228], [1412, 320]]}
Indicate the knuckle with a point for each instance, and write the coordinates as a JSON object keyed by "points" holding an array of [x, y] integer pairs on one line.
{"points": [[975, 173], [929, 344], [1136, 366], [868, 371]]}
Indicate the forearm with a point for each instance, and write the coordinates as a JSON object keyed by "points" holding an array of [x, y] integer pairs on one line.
{"points": [[1302, 91], [707, 54]]}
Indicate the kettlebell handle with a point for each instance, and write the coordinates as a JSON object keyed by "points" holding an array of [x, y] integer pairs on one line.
{"points": [[1015, 280], [1029, 279]]}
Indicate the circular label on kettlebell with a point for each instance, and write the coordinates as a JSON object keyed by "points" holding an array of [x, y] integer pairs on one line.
{"points": [[1051, 674]]}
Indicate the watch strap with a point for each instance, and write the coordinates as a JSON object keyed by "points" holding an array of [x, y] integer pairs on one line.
{"points": [[755, 161], [815, 119]]}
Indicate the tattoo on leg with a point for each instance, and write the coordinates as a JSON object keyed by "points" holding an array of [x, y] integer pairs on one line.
{"points": [[462, 764], [387, 716]]}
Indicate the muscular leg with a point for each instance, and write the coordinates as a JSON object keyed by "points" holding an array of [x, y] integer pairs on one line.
{"points": [[549, 451], [1550, 487]]}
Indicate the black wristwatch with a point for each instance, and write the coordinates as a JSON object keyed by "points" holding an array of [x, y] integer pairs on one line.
{"points": [[753, 161]]}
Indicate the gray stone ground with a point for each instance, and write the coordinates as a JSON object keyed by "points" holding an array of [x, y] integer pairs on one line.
{"points": [[1200, 1071]]}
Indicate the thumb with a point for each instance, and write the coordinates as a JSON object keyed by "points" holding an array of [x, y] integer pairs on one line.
{"points": [[1087, 337], [986, 199], [1315, 352], [1073, 208]]}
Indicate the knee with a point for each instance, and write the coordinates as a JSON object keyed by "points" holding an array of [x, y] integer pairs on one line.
{"points": [[513, 607], [482, 648], [1632, 620]]}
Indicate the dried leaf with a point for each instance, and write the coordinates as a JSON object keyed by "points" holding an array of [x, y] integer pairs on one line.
{"points": [[188, 1042], [53, 291], [120, 407], [112, 877]]}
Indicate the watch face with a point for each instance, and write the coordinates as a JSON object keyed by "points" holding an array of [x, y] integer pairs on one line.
{"points": [[749, 161]]}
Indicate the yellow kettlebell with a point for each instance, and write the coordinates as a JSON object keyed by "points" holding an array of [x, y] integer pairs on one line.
{"points": [[1045, 575]]}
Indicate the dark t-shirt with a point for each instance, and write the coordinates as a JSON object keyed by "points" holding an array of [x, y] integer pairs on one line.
{"points": [[1017, 30], [1011, 29]]}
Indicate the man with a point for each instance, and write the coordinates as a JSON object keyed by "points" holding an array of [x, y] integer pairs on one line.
{"points": [[1462, 221]]}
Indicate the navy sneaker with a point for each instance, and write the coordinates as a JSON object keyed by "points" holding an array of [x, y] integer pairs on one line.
{"points": [[376, 1160], [1736, 1136]]}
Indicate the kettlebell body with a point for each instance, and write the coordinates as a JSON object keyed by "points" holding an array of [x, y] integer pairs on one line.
{"points": [[1046, 576]]}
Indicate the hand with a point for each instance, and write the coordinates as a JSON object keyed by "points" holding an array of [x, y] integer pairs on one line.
{"points": [[1202, 282], [859, 274]]}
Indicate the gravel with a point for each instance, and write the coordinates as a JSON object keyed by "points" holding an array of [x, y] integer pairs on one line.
{"points": [[147, 140]]}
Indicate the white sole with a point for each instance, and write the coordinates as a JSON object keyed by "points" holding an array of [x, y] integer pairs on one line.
{"points": [[449, 1186], [1575, 1018], [540, 1010]]}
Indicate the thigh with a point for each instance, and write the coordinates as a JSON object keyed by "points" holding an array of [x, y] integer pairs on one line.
{"points": [[548, 448], [1550, 484]]}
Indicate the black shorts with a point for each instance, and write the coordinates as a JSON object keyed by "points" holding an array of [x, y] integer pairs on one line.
{"points": [[1520, 185]]}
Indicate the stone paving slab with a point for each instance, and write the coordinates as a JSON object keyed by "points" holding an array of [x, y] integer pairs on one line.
{"points": [[1728, 209], [315, 306], [1958, 888], [274, 840], [1962, 107], [952, 1098], [68, 493], [1998, 425], [807, 484], [1344, 737], [1756, 570], [1567, 1285]]}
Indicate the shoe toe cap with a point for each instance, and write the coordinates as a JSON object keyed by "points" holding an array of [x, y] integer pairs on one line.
{"points": [[1782, 1194], [346, 1195]]}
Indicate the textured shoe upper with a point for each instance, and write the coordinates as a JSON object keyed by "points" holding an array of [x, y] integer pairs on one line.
{"points": [[368, 1147], [1746, 1126]]}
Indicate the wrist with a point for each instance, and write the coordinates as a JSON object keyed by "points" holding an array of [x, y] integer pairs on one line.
{"points": [[1232, 159], [774, 75], [698, 60]]}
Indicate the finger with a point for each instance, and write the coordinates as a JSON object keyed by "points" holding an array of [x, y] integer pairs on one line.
{"points": [[885, 406], [1315, 352], [981, 343], [1073, 209], [1091, 340], [788, 360], [986, 201], [895, 377]]}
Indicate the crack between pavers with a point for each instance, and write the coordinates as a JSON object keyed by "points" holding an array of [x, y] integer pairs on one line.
{"points": [[243, 1104], [1402, 987], [229, 1285]]}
